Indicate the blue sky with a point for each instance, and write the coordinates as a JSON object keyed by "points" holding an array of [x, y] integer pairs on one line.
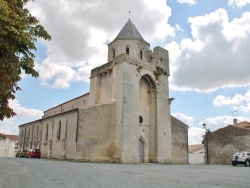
{"points": [[208, 43]]}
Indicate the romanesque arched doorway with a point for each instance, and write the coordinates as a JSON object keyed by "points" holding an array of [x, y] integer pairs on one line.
{"points": [[147, 118]]}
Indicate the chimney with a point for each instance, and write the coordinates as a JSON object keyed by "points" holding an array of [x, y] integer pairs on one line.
{"points": [[235, 122]]}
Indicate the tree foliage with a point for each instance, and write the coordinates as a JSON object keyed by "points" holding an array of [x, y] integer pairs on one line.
{"points": [[19, 31]]}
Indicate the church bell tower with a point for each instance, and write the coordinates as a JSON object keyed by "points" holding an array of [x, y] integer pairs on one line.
{"points": [[136, 80]]}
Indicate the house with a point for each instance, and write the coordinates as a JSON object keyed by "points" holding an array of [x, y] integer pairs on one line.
{"points": [[8, 145], [196, 154], [224, 142], [125, 118]]}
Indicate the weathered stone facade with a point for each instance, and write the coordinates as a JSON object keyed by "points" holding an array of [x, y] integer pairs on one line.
{"points": [[124, 119], [179, 132], [224, 142]]}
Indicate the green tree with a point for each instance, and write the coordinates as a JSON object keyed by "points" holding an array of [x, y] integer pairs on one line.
{"points": [[19, 31]]}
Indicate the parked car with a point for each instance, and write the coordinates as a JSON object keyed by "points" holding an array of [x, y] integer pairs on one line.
{"points": [[33, 153], [241, 158], [21, 153]]}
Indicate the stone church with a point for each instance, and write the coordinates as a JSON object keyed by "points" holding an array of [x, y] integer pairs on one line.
{"points": [[125, 118]]}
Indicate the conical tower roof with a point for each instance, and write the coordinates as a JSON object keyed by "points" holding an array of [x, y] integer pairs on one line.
{"points": [[129, 31]]}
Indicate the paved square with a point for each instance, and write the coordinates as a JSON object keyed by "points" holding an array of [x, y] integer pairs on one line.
{"points": [[22, 172]]}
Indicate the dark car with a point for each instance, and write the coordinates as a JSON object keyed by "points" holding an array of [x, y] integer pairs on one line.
{"points": [[21, 153], [33, 153]]}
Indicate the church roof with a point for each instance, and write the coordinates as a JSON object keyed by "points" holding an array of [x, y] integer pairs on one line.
{"points": [[129, 31]]}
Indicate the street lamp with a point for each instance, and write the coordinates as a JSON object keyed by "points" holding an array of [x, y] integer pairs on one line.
{"points": [[206, 141]]}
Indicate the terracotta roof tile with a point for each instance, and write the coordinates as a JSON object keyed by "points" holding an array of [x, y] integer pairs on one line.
{"points": [[244, 124], [12, 137]]}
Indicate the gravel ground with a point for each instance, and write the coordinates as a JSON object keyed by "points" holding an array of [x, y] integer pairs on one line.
{"points": [[43, 173]]}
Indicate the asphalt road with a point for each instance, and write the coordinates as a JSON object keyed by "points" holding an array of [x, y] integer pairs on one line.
{"points": [[42, 173]]}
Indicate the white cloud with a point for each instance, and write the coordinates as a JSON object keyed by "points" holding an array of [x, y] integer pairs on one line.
{"points": [[190, 2], [239, 102], [174, 50], [195, 135], [10, 126], [214, 123], [61, 74], [80, 31], [22, 111], [188, 120], [238, 3], [222, 100], [7, 126], [216, 57], [244, 108]]}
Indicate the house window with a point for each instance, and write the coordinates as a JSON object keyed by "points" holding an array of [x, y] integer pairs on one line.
{"points": [[16, 144], [59, 131], [127, 50], [140, 54]]}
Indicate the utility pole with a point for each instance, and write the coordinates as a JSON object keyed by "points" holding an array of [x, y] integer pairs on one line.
{"points": [[206, 140]]}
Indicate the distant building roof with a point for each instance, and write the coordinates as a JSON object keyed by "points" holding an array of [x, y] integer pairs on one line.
{"points": [[11, 137], [196, 148], [244, 124]]}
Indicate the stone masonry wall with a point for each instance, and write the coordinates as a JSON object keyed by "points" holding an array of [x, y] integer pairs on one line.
{"points": [[179, 132], [223, 143], [95, 133]]}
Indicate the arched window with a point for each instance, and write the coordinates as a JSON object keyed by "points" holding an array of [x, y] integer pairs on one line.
{"points": [[113, 53], [29, 134], [22, 135], [66, 125], [140, 54], [127, 50], [59, 130], [47, 132], [37, 130]]}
